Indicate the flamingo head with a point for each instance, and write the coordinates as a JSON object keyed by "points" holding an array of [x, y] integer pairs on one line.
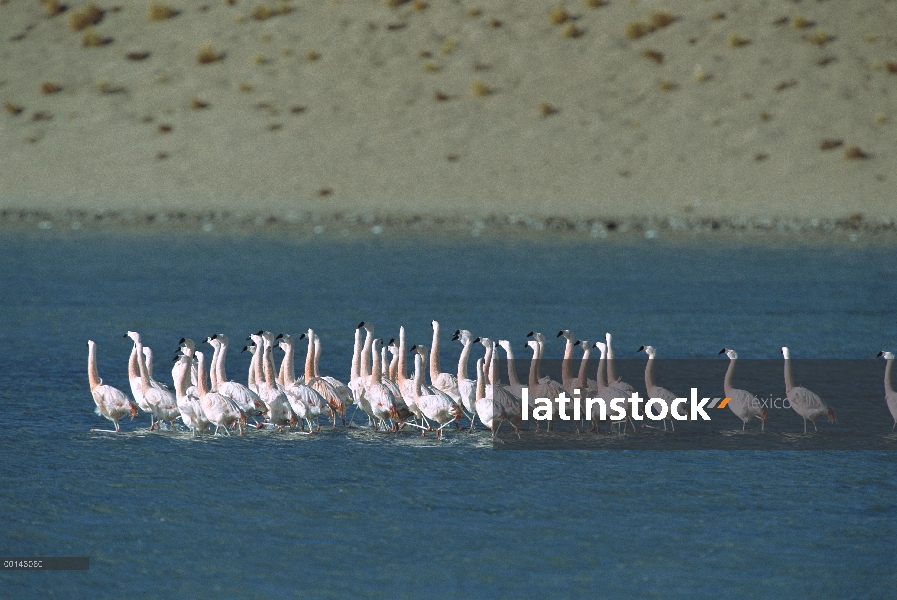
{"points": [[886, 355], [763, 414], [134, 411], [831, 415]]}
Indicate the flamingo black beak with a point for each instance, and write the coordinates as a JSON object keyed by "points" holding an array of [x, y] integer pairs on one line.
{"points": [[477, 340], [279, 336], [723, 351], [456, 336], [640, 348], [560, 333], [360, 325], [302, 337], [530, 334], [577, 342], [882, 353]]}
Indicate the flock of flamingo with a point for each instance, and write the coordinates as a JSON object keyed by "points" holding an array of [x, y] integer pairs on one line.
{"points": [[380, 386]]}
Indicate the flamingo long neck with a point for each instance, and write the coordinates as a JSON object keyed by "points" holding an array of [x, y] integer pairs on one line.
{"points": [[512, 367], [144, 374], [93, 375], [487, 360], [493, 370], [366, 354], [602, 363], [539, 361], [611, 367], [133, 368], [417, 376], [394, 366], [462, 362], [148, 357], [567, 364], [253, 378], [287, 375], [888, 389], [310, 359], [281, 373], [356, 356], [270, 376], [376, 373], [402, 373], [582, 377], [789, 383], [384, 363], [727, 381], [434, 354], [201, 388], [181, 376], [649, 372], [534, 368], [219, 365], [317, 371], [481, 381], [213, 372]]}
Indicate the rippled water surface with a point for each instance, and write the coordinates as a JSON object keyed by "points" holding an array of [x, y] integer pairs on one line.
{"points": [[371, 514]]}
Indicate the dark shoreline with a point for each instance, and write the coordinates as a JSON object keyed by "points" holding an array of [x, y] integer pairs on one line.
{"points": [[343, 224]]}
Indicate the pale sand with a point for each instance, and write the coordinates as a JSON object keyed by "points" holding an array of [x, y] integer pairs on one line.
{"points": [[361, 131]]}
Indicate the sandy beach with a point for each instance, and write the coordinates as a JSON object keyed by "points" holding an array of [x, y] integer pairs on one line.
{"points": [[587, 112]]}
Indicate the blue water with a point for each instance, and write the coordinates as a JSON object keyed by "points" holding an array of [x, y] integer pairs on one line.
{"points": [[370, 514]]}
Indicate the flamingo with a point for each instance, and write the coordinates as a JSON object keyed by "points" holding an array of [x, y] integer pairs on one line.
{"points": [[356, 381], [744, 404], [187, 347], [466, 386], [248, 401], [162, 403], [514, 386], [111, 402], [406, 384], [381, 398], [606, 392], [437, 407], [540, 388], [488, 410], [192, 413], [310, 390], [804, 402], [439, 380], [279, 413], [136, 384], [220, 410], [567, 380], [430, 390], [890, 394], [305, 402], [655, 391], [511, 405]]}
